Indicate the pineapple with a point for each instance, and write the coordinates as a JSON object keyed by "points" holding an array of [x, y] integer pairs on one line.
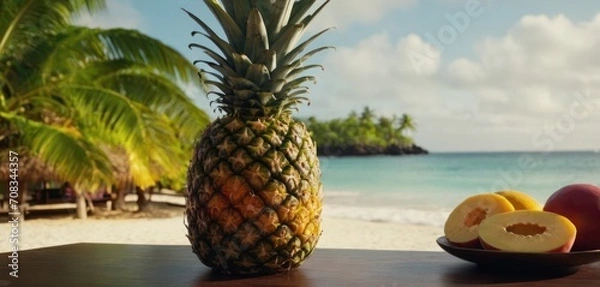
{"points": [[254, 195]]}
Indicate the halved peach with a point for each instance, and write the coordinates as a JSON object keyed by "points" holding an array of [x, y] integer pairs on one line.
{"points": [[520, 200], [461, 227], [527, 231]]}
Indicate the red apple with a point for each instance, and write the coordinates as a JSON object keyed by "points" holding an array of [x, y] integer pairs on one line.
{"points": [[580, 203]]}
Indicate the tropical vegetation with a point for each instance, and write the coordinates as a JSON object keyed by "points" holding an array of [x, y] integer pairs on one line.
{"points": [[365, 134], [93, 107]]}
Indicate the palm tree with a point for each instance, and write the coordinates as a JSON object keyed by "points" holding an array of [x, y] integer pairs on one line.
{"points": [[68, 95], [385, 129], [407, 123], [350, 130], [368, 130], [367, 115]]}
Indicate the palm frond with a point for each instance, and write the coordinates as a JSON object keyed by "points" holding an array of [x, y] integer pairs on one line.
{"points": [[21, 21], [70, 93], [159, 94], [108, 109], [76, 47], [66, 151], [149, 137]]}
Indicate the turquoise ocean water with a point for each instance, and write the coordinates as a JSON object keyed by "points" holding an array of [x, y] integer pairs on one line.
{"points": [[424, 189]]}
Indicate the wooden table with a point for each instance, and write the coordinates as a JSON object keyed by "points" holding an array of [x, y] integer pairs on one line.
{"points": [[91, 265]]}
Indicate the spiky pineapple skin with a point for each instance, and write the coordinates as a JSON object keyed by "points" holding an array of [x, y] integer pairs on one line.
{"points": [[254, 195]]}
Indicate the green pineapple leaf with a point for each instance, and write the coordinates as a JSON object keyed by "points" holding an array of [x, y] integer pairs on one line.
{"points": [[280, 15], [242, 63], [256, 35], [232, 30], [268, 58]]}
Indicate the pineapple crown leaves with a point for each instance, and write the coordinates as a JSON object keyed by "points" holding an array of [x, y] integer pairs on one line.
{"points": [[258, 67]]}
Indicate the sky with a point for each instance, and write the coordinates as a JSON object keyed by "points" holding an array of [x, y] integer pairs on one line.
{"points": [[477, 75]]}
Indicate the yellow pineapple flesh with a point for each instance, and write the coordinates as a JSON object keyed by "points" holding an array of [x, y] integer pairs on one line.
{"points": [[254, 196]]}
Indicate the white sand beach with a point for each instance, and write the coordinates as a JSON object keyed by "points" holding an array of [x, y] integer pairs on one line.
{"points": [[337, 233]]}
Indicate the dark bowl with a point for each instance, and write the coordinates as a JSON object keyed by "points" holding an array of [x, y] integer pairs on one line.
{"points": [[519, 260]]}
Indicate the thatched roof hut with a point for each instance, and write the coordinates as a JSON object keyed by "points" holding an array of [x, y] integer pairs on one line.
{"points": [[34, 171], [31, 169]]}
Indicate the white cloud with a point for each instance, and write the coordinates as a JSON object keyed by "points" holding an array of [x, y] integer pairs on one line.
{"points": [[377, 57], [119, 14], [517, 85], [539, 49], [539, 63], [466, 71], [377, 68], [342, 13]]}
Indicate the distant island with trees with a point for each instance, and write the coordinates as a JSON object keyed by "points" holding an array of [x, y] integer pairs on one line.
{"points": [[364, 135]]}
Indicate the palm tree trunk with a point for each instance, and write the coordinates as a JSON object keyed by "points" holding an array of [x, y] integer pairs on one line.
{"points": [[121, 190], [90, 203], [142, 201], [81, 208]]}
